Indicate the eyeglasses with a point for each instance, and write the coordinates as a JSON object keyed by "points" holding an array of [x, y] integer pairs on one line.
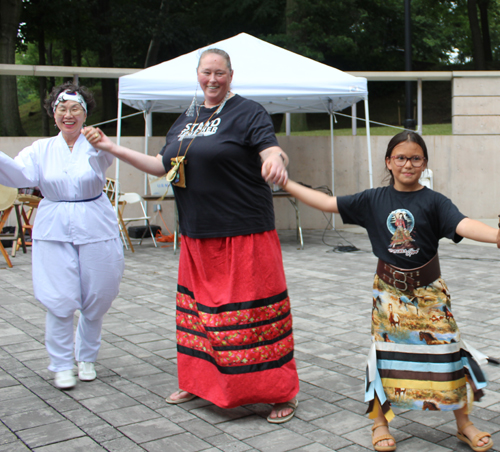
{"points": [[416, 160], [74, 110]]}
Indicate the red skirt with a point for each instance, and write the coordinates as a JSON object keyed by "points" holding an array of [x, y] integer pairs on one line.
{"points": [[234, 324]]}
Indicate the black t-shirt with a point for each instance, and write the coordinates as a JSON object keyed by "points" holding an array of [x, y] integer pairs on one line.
{"points": [[404, 227], [225, 193]]}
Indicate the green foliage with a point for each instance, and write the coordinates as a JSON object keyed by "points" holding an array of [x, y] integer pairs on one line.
{"points": [[363, 35]]}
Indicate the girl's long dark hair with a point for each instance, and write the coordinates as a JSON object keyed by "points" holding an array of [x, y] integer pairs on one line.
{"points": [[406, 135]]}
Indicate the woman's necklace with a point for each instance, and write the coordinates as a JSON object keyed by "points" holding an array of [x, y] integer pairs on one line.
{"points": [[172, 175]]}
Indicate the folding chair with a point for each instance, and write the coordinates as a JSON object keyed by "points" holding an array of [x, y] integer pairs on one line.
{"points": [[27, 206], [8, 196], [110, 190], [132, 198]]}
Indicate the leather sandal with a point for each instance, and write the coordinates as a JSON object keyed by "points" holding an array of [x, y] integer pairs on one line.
{"points": [[385, 437], [293, 404], [473, 443], [181, 400]]}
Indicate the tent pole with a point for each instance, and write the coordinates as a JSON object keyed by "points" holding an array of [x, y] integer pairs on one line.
{"points": [[148, 128], [333, 165], [117, 170], [368, 142], [288, 123]]}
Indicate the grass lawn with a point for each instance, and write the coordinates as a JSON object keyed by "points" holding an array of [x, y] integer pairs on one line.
{"points": [[428, 129]]}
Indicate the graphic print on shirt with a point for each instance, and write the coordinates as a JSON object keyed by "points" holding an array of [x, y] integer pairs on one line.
{"points": [[400, 223], [202, 129]]}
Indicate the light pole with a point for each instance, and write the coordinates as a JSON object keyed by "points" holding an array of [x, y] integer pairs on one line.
{"points": [[409, 122]]}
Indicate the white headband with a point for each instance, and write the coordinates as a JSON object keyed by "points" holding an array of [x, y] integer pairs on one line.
{"points": [[70, 95]]}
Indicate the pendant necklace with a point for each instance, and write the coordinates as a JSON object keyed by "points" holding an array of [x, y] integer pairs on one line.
{"points": [[176, 174]]}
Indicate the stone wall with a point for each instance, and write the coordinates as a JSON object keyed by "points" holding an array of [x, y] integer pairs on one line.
{"points": [[464, 168]]}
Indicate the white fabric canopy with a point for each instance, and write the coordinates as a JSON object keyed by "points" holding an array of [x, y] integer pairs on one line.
{"points": [[280, 80]]}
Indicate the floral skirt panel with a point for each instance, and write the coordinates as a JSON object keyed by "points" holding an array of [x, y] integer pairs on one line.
{"points": [[234, 321], [417, 360]]}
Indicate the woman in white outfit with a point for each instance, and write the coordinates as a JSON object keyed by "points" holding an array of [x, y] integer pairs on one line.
{"points": [[77, 254]]}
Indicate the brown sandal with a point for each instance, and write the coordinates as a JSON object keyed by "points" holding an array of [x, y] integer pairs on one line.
{"points": [[473, 443], [382, 438]]}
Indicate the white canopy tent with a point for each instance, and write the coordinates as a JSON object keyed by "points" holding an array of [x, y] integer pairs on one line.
{"points": [[280, 80]]}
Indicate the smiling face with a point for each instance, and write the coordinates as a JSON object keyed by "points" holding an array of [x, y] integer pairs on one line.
{"points": [[70, 117], [214, 78], [406, 177]]}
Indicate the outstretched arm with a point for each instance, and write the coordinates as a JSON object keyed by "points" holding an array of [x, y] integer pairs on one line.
{"points": [[475, 230], [147, 163], [313, 198]]}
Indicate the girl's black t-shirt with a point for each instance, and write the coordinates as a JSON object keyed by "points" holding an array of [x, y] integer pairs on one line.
{"points": [[404, 227], [225, 193]]}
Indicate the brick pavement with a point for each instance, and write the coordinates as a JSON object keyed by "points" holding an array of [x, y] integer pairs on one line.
{"points": [[124, 409]]}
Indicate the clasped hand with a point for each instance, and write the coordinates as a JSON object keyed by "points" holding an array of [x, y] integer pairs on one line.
{"points": [[274, 170]]}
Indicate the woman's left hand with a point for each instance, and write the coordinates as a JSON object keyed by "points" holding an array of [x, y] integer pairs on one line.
{"points": [[273, 167]]}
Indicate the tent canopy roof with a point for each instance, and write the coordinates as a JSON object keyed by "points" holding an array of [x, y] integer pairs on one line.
{"points": [[280, 80]]}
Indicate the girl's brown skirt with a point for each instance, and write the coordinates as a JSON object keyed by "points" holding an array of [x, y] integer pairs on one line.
{"points": [[234, 324]]}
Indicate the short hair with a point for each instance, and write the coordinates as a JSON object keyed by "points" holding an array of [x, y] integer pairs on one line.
{"points": [[69, 86], [220, 52]]}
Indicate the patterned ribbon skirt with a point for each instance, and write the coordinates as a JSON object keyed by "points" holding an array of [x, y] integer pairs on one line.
{"points": [[418, 360], [234, 324]]}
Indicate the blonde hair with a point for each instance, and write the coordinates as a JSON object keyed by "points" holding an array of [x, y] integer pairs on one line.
{"points": [[219, 52]]}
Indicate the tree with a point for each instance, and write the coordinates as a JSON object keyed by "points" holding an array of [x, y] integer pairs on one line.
{"points": [[10, 121]]}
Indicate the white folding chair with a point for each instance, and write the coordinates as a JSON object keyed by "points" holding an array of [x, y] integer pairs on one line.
{"points": [[132, 198]]}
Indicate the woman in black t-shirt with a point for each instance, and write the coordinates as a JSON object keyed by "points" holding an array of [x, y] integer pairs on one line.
{"points": [[234, 324], [417, 359]]}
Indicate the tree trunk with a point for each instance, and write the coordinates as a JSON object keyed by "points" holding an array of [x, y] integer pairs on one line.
{"points": [[485, 28], [42, 84], [52, 80], [154, 45], [10, 121], [298, 121], [477, 42], [105, 52]]}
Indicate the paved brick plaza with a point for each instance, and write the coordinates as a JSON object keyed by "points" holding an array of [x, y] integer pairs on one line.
{"points": [[124, 409]]}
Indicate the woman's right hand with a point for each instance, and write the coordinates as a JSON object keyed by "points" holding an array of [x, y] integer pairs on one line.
{"points": [[97, 138]]}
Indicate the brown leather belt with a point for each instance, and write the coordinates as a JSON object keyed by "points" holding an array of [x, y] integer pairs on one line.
{"points": [[407, 280]]}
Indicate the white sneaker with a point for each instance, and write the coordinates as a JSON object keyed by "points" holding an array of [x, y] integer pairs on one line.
{"points": [[65, 379], [86, 371]]}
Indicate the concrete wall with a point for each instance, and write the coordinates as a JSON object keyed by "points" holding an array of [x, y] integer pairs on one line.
{"points": [[465, 167], [476, 105]]}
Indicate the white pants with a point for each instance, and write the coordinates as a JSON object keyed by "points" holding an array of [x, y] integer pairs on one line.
{"points": [[66, 278]]}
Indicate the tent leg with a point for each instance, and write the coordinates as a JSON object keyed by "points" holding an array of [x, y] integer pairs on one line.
{"points": [[117, 171], [368, 142], [333, 164]]}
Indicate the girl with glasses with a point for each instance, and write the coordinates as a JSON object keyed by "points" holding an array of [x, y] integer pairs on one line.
{"points": [[418, 359]]}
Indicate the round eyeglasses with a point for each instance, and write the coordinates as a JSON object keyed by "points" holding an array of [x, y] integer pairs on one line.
{"points": [[416, 160]]}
